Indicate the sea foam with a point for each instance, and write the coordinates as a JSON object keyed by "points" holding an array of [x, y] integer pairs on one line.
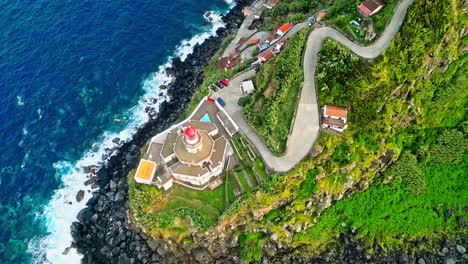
{"points": [[63, 208]]}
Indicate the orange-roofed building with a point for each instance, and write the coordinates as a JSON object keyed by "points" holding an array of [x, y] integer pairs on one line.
{"points": [[254, 41], [335, 118], [265, 56], [284, 29], [145, 171], [321, 15]]}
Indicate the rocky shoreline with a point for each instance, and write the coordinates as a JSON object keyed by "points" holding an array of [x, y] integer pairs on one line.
{"points": [[103, 233]]}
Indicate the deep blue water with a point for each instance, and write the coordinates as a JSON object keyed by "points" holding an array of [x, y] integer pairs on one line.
{"points": [[67, 70]]}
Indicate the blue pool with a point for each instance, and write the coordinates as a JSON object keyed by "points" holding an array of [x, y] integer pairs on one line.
{"points": [[205, 118]]}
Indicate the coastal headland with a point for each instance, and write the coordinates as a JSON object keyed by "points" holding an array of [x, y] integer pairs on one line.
{"points": [[106, 229]]}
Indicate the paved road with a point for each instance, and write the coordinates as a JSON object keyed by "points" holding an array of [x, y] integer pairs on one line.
{"points": [[244, 31], [306, 127]]}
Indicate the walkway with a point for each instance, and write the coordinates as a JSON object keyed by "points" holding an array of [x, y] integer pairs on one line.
{"points": [[306, 127]]}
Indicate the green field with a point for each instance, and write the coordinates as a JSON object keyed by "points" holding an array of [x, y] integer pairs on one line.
{"points": [[408, 106]]}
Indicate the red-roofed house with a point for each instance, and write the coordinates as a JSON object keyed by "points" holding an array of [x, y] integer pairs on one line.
{"points": [[335, 118], [284, 29], [270, 4], [321, 15], [226, 63], [369, 8], [233, 64], [254, 41], [270, 40], [265, 56]]}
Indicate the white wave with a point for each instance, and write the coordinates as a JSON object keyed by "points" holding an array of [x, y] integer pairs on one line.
{"points": [[19, 100], [63, 207], [187, 45]]}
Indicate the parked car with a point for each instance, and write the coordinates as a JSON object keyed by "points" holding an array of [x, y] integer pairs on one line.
{"points": [[214, 88], [225, 82], [220, 85], [221, 101]]}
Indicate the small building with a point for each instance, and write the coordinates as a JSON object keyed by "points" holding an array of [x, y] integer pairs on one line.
{"points": [[270, 4], [226, 63], [369, 8], [246, 11], [272, 39], [283, 29], [263, 46], [279, 46], [247, 87], [265, 56], [335, 118], [320, 15], [254, 41]]}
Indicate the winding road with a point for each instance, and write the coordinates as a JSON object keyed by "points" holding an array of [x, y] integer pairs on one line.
{"points": [[306, 127]]}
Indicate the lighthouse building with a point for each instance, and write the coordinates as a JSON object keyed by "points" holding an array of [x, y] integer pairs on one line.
{"points": [[192, 153]]}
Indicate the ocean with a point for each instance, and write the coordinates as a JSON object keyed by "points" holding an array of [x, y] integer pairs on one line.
{"points": [[74, 76]]}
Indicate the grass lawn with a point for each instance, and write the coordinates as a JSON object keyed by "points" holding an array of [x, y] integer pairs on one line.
{"points": [[251, 176], [239, 148], [230, 187], [208, 204], [259, 168], [242, 181]]}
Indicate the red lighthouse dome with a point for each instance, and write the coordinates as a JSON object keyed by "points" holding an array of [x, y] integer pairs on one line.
{"points": [[190, 133]]}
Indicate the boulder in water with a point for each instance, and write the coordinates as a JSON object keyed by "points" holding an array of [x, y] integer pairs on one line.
{"points": [[79, 195]]}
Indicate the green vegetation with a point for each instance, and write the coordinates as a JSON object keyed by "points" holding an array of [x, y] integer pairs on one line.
{"points": [[289, 11], [272, 106], [174, 212], [230, 187], [407, 209], [408, 107], [407, 113], [342, 12], [426, 181], [240, 177], [251, 246], [251, 176], [339, 14], [259, 169], [308, 186]]}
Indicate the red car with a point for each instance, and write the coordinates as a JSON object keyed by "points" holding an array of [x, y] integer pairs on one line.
{"points": [[225, 82]]}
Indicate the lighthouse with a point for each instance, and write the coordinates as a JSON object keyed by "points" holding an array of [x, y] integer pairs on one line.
{"points": [[192, 141]]}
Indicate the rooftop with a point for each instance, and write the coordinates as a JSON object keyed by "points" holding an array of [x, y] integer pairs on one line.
{"points": [[145, 170], [285, 27], [168, 148], [194, 171], [334, 122], [194, 158], [209, 127], [266, 55], [335, 111], [370, 6], [218, 153]]}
